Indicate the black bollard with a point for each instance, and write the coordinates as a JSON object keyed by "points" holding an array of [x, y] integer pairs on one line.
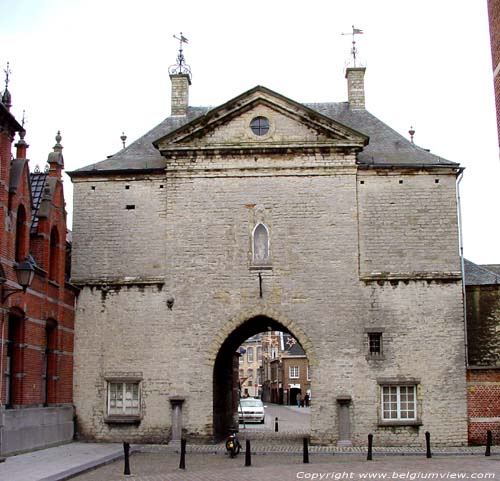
{"points": [[306, 452], [275, 425], [126, 450], [248, 454], [428, 444], [488, 443], [369, 456], [182, 464]]}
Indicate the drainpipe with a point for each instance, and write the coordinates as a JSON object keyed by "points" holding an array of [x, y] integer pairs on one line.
{"points": [[462, 265]]}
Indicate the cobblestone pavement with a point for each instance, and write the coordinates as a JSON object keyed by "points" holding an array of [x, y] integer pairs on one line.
{"points": [[288, 467], [293, 423]]}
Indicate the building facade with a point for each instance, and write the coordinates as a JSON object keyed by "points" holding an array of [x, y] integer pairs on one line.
{"points": [[265, 214], [37, 315], [483, 339], [250, 367]]}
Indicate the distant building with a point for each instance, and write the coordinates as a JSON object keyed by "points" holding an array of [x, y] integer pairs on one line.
{"points": [[483, 335], [36, 354], [296, 374], [250, 367]]}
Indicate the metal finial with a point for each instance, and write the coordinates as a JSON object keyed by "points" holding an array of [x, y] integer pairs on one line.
{"points": [[123, 138], [6, 97], [23, 121], [180, 67], [412, 133], [7, 71], [354, 50]]}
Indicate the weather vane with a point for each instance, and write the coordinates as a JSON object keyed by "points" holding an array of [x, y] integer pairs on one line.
{"points": [[354, 50], [180, 67]]}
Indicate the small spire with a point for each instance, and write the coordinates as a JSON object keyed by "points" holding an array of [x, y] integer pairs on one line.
{"points": [[123, 138], [412, 133], [6, 97], [58, 147]]}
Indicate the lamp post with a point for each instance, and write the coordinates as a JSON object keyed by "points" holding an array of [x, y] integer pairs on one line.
{"points": [[25, 273]]}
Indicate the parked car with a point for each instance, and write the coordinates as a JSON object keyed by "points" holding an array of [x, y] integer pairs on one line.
{"points": [[251, 411]]}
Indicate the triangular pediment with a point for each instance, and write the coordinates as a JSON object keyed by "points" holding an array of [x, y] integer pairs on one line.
{"points": [[290, 125]]}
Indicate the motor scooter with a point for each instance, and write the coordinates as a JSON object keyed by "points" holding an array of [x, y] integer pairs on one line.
{"points": [[233, 445]]}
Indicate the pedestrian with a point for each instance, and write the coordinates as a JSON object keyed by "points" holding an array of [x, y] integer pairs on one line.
{"points": [[298, 399], [302, 401], [306, 399]]}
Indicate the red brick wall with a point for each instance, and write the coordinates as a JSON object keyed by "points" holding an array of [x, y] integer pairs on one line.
{"points": [[494, 19], [44, 302], [483, 396]]}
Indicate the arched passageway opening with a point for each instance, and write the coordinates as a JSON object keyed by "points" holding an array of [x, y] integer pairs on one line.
{"points": [[229, 382]]}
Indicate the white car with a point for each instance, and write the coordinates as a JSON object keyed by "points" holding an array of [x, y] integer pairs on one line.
{"points": [[251, 411]]}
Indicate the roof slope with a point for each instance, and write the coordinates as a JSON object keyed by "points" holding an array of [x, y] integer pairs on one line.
{"points": [[38, 180], [386, 146], [476, 275]]}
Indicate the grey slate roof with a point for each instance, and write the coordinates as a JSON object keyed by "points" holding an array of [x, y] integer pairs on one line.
{"points": [[476, 275], [141, 155], [386, 146]]}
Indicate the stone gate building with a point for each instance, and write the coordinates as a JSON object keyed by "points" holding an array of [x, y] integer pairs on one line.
{"points": [[268, 214]]}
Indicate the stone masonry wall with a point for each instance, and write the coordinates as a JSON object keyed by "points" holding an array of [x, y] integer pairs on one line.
{"points": [[408, 225], [120, 229], [196, 233]]}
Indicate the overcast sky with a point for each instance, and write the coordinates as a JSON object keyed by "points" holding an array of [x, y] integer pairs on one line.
{"points": [[95, 68]]}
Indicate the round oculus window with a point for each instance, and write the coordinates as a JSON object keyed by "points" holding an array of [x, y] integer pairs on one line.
{"points": [[260, 125]]}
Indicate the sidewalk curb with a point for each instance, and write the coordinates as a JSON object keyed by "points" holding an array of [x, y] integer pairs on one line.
{"points": [[82, 468]]}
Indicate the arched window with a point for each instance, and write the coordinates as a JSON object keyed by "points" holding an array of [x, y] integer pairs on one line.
{"points": [[54, 255], [260, 244], [14, 360], [21, 235], [50, 362]]}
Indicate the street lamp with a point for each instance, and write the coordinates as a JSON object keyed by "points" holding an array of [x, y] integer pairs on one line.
{"points": [[25, 273]]}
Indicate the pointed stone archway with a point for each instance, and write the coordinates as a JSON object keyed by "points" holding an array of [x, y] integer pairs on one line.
{"points": [[224, 359]]}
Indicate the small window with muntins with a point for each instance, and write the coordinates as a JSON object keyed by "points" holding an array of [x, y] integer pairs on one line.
{"points": [[260, 126], [375, 343]]}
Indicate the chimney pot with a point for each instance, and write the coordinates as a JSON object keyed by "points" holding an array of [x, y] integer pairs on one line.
{"points": [[180, 93], [356, 87]]}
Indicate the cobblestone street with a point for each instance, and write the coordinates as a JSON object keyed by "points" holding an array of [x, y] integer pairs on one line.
{"points": [[285, 467]]}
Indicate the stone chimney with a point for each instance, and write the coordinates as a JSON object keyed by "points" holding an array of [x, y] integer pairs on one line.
{"points": [[21, 146], [180, 93], [356, 87]]}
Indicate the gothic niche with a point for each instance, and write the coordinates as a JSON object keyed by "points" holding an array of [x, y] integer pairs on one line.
{"points": [[260, 244]]}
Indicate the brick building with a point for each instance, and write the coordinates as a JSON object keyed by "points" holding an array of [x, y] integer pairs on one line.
{"points": [[494, 19], [37, 316], [265, 214], [296, 374], [483, 334]]}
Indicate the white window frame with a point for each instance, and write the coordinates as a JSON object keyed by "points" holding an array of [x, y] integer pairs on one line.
{"points": [[294, 372], [249, 354], [400, 407], [130, 407]]}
